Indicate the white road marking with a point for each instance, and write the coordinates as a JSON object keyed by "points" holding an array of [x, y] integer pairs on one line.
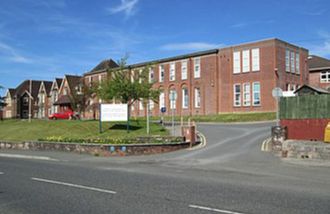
{"points": [[201, 145], [1, 173], [213, 209], [73, 185], [27, 157]]}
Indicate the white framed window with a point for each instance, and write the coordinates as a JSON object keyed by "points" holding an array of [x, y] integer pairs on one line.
{"points": [[151, 75], [287, 60], [132, 75], [173, 101], [161, 73], [256, 94], [292, 60], [237, 62], [141, 104], [161, 99], [197, 67], [297, 63], [255, 59], [184, 72], [151, 104], [100, 78], [140, 74], [185, 98], [197, 97], [172, 71], [237, 94], [246, 94], [325, 76], [246, 60]]}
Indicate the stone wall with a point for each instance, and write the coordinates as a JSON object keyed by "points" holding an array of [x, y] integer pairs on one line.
{"points": [[306, 150]]}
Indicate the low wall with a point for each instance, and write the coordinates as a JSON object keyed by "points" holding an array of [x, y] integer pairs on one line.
{"points": [[97, 149], [305, 129], [305, 150]]}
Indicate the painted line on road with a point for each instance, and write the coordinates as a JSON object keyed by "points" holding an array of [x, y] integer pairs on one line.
{"points": [[201, 145], [2, 173], [74, 185], [27, 157], [213, 209], [265, 146]]}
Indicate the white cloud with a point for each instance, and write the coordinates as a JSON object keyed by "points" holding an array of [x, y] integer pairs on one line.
{"points": [[126, 6], [315, 13], [322, 49], [190, 46], [12, 54]]}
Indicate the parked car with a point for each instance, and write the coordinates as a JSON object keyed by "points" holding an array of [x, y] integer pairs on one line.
{"points": [[62, 115]]}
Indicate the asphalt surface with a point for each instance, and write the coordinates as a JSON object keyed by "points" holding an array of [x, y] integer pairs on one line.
{"points": [[228, 175]]}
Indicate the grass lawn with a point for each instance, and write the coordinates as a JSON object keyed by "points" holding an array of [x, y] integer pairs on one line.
{"points": [[19, 130], [226, 118]]}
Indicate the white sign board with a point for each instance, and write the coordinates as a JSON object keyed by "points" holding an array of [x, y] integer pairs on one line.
{"points": [[113, 112]]}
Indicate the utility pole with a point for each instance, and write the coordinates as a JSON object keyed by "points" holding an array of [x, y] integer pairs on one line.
{"points": [[30, 101], [148, 120]]}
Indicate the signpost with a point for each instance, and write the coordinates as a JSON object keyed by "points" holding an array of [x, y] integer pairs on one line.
{"points": [[113, 112], [173, 97], [277, 94]]}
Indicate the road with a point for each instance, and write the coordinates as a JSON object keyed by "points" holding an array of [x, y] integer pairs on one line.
{"points": [[229, 175]]}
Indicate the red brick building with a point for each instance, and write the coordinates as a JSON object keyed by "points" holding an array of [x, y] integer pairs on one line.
{"points": [[239, 78], [319, 72]]}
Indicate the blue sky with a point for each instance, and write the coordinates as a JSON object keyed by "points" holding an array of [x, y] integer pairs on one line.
{"points": [[44, 39]]}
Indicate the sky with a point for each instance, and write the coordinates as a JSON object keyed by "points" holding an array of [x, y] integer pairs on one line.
{"points": [[44, 39]]}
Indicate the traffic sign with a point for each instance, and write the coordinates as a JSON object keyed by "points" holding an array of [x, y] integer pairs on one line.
{"points": [[163, 109], [277, 92]]}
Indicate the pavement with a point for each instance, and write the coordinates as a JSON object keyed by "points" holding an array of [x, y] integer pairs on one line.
{"points": [[227, 175]]}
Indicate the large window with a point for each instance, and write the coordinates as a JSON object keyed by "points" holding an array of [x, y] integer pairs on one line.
{"points": [[246, 61], [237, 94], [255, 59], [197, 97], [161, 73], [237, 62], [151, 75], [297, 63], [173, 101], [161, 99], [256, 93], [287, 61], [172, 71], [185, 98], [246, 94], [184, 73], [325, 76], [141, 104], [292, 61], [197, 67]]}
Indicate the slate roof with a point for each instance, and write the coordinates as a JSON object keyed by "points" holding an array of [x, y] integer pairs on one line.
{"points": [[58, 82], [73, 81], [103, 66], [318, 63], [25, 86], [12, 92], [48, 86], [65, 99], [313, 88]]}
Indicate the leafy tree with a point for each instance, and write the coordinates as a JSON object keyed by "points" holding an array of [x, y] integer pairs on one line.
{"points": [[127, 86], [79, 96]]}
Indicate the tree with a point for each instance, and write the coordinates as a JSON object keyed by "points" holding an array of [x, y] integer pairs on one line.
{"points": [[127, 86], [78, 98]]}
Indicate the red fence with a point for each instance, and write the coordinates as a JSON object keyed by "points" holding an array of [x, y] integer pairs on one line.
{"points": [[305, 129]]}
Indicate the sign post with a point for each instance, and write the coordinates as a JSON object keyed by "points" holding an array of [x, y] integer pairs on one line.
{"points": [[173, 97], [277, 94]]}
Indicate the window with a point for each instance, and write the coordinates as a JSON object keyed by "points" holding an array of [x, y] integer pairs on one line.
{"points": [[140, 76], [100, 78], [172, 71], [287, 61], [65, 92], [237, 62], [256, 93], [173, 99], [151, 105], [325, 76], [151, 75], [161, 100], [246, 61], [255, 59], [292, 62], [197, 67], [161, 73], [197, 97], [237, 94], [185, 98], [246, 94], [141, 104], [184, 74], [297, 63]]}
